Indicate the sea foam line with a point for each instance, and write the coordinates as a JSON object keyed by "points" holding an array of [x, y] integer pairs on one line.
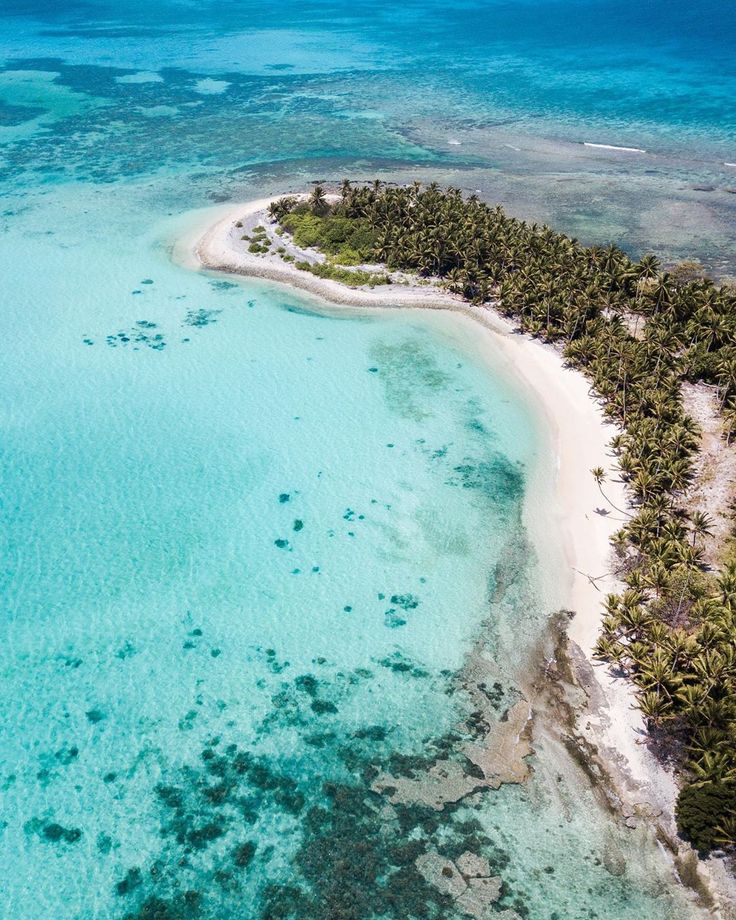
{"points": [[614, 147]]}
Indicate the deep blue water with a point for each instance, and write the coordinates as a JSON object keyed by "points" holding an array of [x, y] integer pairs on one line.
{"points": [[496, 96], [246, 546]]}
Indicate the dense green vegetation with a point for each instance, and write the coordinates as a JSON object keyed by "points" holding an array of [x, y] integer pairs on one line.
{"points": [[353, 277], [349, 242], [345, 242], [702, 814], [637, 333]]}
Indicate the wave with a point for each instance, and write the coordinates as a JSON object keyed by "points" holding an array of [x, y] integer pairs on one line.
{"points": [[614, 147]]}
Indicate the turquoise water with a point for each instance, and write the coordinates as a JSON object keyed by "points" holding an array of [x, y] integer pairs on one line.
{"points": [[247, 544]]}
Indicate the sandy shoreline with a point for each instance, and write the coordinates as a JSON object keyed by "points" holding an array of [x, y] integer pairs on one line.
{"points": [[216, 250], [582, 516]]}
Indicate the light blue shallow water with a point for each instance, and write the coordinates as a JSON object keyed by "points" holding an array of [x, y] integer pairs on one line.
{"points": [[233, 524]]}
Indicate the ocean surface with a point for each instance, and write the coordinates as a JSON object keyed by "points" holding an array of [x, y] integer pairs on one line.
{"points": [[249, 545]]}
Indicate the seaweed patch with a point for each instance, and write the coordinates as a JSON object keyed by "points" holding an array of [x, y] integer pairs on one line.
{"points": [[200, 318], [349, 847], [141, 335], [498, 480], [52, 831]]}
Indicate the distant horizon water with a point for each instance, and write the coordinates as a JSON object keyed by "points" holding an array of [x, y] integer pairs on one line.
{"points": [[248, 547], [505, 98]]}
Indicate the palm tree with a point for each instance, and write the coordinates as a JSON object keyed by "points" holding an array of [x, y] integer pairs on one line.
{"points": [[648, 267], [318, 201], [654, 706], [701, 524], [725, 835], [599, 474], [714, 766]]}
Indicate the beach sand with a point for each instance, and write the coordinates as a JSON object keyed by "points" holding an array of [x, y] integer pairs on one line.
{"points": [[608, 727]]}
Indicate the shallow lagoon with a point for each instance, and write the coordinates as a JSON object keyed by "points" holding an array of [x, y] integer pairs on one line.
{"points": [[247, 546]]}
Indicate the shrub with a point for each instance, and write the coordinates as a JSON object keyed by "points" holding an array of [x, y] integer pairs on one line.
{"points": [[343, 275], [305, 228], [701, 809], [336, 231], [348, 256], [350, 241]]}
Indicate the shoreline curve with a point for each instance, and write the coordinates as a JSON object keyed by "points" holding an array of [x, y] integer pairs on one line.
{"points": [[609, 727]]}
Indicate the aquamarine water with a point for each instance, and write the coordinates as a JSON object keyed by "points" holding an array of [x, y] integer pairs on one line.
{"points": [[248, 544]]}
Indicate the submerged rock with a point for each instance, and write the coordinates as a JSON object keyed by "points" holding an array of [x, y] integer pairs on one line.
{"points": [[200, 318], [244, 853], [473, 895], [496, 755], [52, 831], [478, 897], [501, 754], [472, 865], [442, 873]]}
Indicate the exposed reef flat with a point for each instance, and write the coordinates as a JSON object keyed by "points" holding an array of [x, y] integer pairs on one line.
{"points": [[497, 753]]}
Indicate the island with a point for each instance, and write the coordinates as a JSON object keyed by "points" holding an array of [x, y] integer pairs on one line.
{"points": [[646, 360]]}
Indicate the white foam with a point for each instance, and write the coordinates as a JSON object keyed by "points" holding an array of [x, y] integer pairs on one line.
{"points": [[614, 147], [210, 87], [143, 76]]}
